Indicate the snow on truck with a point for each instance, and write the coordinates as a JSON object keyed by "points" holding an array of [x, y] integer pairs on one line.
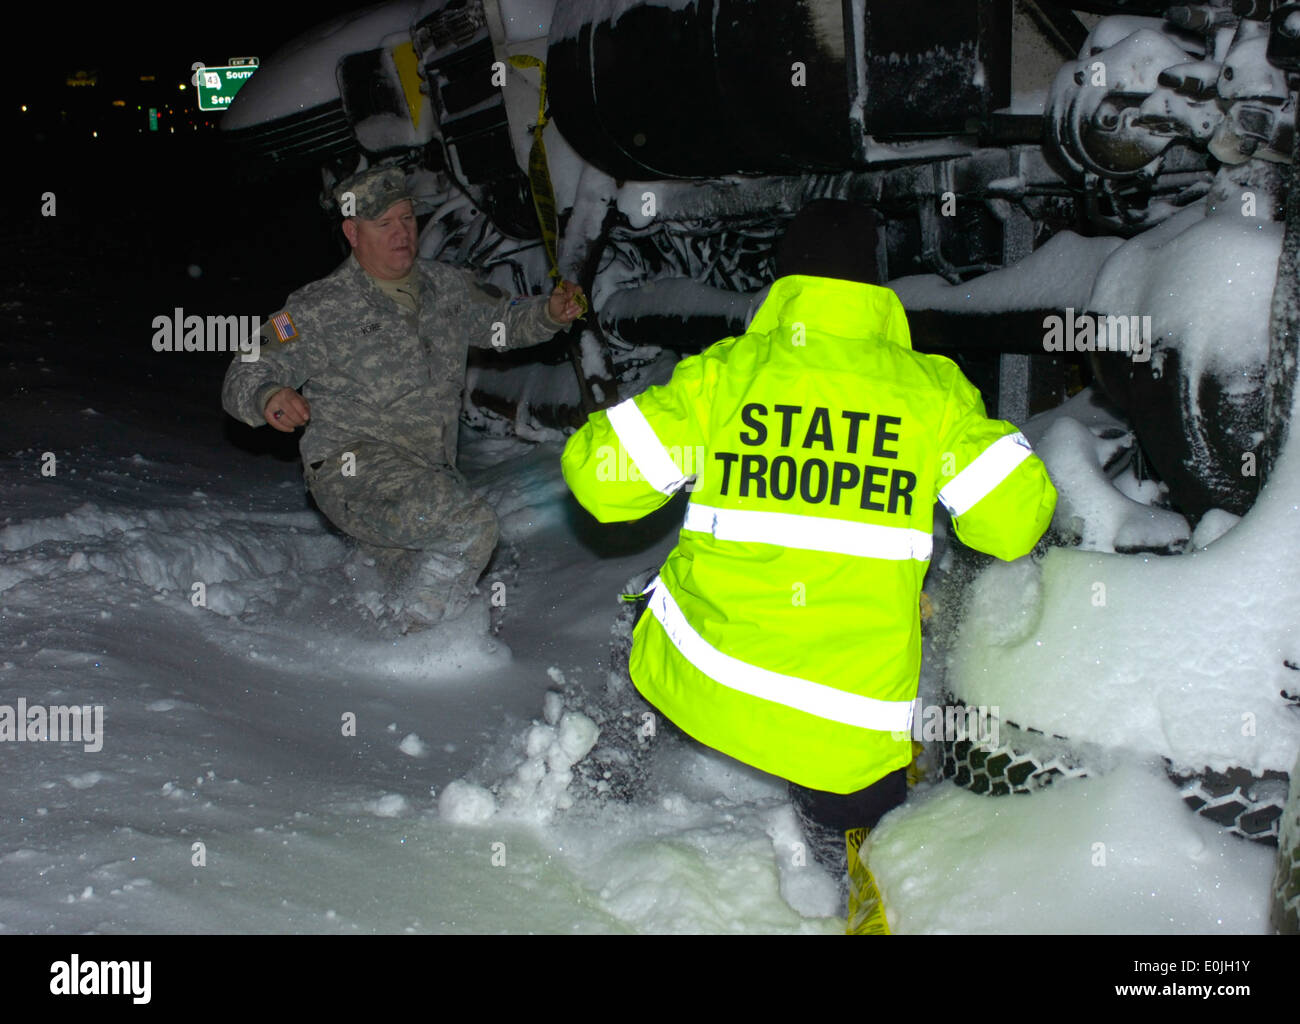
{"points": [[1087, 205]]}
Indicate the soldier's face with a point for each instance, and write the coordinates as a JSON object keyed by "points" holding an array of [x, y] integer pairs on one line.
{"points": [[385, 246]]}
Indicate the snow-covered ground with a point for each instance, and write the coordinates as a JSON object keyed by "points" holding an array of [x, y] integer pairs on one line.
{"points": [[455, 806], [225, 725]]}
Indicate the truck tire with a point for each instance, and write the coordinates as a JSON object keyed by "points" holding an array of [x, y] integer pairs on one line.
{"points": [[1245, 804], [1286, 879], [1024, 760]]}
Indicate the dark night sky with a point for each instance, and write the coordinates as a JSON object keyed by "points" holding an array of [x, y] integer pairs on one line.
{"points": [[163, 37], [134, 219], [120, 43]]}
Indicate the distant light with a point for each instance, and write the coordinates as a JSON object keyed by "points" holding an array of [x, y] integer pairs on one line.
{"points": [[119, 103], [147, 78], [24, 108], [94, 135], [181, 87]]}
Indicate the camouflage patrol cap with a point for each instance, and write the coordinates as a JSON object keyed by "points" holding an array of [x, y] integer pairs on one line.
{"points": [[373, 191]]}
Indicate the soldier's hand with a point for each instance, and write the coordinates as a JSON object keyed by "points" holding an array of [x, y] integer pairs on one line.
{"points": [[567, 302], [287, 410]]}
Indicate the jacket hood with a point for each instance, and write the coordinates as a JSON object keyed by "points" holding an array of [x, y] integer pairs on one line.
{"points": [[844, 308]]}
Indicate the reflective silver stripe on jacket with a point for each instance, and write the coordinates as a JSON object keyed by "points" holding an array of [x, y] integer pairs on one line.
{"points": [[993, 465], [790, 691], [645, 448], [810, 533]]}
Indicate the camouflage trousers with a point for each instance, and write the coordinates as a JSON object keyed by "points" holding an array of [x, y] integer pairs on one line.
{"points": [[431, 536]]}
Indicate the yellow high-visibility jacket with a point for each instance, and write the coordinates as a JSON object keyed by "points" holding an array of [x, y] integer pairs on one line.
{"points": [[784, 627]]}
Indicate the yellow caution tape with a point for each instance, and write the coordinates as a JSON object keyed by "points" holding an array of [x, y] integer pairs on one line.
{"points": [[866, 908], [539, 175]]}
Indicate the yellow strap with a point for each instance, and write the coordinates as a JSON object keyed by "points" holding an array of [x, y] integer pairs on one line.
{"points": [[527, 60], [539, 175], [539, 182], [866, 908]]}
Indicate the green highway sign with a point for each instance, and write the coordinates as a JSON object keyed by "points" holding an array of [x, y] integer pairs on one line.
{"points": [[217, 86]]}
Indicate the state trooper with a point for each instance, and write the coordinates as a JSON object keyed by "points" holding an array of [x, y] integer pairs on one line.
{"points": [[378, 349], [784, 627]]}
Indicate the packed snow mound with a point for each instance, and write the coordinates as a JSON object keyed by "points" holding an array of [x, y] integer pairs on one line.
{"points": [[1206, 280], [1213, 525], [1192, 877], [464, 803], [540, 784], [1088, 450], [172, 548], [1006, 607], [219, 566], [1184, 657], [537, 776], [1057, 275], [1090, 508]]}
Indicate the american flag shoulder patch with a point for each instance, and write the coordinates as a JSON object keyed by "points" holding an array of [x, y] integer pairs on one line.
{"points": [[284, 326]]}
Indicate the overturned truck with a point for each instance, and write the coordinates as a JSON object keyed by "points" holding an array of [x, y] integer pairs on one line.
{"points": [[1087, 199]]}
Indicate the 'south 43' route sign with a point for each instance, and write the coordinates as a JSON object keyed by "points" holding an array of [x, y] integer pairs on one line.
{"points": [[217, 86]]}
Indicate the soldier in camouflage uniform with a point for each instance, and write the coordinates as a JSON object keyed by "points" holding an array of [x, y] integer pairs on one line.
{"points": [[378, 348]]}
